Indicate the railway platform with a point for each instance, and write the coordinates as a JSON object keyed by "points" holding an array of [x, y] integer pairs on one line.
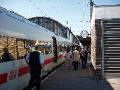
{"points": [[82, 79]]}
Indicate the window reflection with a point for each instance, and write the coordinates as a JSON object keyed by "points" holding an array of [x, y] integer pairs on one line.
{"points": [[19, 48]]}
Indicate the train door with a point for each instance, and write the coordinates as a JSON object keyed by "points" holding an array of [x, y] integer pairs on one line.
{"points": [[55, 49]]}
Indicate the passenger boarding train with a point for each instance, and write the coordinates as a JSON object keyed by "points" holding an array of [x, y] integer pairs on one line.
{"points": [[19, 35]]}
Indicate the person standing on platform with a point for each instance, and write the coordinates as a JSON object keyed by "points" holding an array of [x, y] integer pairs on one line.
{"points": [[6, 56], [36, 63], [68, 59], [76, 58], [83, 57]]}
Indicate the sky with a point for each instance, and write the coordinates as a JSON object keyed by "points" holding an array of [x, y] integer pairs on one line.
{"points": [[74, 14]]}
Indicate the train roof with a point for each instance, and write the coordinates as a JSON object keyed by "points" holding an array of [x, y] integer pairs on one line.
{"points": [[49, 18], [14, 25]]}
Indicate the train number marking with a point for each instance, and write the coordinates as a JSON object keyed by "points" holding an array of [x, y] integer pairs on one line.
{"points": [[12, 74]]}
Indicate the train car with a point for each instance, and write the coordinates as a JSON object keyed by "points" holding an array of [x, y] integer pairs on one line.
{"points": [[20, 36]]}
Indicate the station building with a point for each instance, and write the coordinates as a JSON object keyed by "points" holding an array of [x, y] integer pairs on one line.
{"points": [[55, 27]]}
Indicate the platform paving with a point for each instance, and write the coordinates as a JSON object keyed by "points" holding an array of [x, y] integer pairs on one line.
{"points": [[82, 79]]}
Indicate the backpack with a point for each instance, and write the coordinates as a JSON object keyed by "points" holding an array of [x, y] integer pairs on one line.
{"points": [[82, 53], [34, 61]]}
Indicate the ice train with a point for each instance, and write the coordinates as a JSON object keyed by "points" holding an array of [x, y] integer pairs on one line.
{"points": [[18, 35]]}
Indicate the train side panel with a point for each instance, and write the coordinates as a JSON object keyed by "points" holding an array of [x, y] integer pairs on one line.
{"points": [[14, 75]]}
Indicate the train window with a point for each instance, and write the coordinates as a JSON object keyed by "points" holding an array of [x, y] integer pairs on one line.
{"points": [[3, 43], [11, 44], [21, 48], [48, 48], [7, 50], [45, 47], [60, 48], [42, 49]]}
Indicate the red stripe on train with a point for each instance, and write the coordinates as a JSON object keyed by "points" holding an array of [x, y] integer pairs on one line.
{"points": [[60, 56], [49, 60], [23, 70], [3, 78]]}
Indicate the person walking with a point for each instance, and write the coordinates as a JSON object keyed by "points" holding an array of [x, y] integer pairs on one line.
{"points": [[36, 63], [68, 59], [83, 57], [76, 58]]}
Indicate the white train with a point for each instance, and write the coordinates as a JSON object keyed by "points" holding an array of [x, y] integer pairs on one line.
{"points": [[17, 34]]}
